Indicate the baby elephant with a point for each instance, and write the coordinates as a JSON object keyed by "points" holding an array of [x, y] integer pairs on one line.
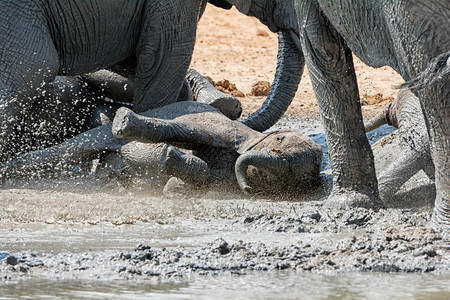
{"points": [[223, 151], [284, 160]]}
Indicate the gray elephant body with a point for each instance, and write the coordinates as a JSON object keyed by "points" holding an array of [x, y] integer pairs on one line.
{"points": [[275, 162], [271, 162], [406, 35], [149, 41]]}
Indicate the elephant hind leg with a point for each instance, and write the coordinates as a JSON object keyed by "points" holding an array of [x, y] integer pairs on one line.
{"points": [[28, 60], [433, 89]]}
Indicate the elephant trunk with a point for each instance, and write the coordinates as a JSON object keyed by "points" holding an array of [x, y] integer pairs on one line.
{"points": [[287, 78], [259, 159]]}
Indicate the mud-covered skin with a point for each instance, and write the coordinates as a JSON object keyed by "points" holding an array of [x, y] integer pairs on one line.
{"points": [[407, 151], [66, 108], [321, 240], [273, 162], [410, 152], [434, 83], [412, 33], [72, 105], [88, 92], [276, 161]]}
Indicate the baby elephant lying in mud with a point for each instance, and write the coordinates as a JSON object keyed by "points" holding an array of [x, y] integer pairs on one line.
{"points": [[405, 152], [223, 150], [279, 161]]}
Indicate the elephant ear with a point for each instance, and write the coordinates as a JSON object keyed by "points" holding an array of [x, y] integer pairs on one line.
{"points": [[221, 3]]}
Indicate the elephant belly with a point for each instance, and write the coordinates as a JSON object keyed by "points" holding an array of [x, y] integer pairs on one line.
{"points": [[93, 34], [364, 29]]}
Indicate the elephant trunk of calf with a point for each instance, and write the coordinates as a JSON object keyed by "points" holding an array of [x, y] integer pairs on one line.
{"points": [[260, 159], [287, 78]]}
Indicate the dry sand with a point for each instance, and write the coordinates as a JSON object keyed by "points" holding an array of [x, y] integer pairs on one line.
{"points": [[242, 50]]}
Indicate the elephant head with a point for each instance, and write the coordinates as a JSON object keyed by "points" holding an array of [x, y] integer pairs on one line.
{"points": [[279, 16], [282, 161]]}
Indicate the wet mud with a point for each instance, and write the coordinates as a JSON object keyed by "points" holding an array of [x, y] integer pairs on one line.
{"points": [[75, 230]]}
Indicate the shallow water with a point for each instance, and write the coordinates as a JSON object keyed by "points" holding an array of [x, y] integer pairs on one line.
{"points": [[265, 285]]}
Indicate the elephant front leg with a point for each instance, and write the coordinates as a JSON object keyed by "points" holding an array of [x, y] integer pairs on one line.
{"points": [[164, 52], [330, 65]]}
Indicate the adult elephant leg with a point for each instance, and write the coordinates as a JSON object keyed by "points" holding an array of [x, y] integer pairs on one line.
{"points": [[28, 60], [164, 51], [330, 65], [433, 89]]}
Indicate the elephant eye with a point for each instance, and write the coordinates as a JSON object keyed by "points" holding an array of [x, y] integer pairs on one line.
{"points": [[280, 138]]}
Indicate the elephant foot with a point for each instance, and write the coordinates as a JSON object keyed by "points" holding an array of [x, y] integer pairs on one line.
{"points": [[123, 123], [440, 220], [344, 199], [228, 105]]}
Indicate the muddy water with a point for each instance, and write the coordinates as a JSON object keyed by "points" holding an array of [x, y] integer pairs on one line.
{"points": [[267, 285], [112, 244]]}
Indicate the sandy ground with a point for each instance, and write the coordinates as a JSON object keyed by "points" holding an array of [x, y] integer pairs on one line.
{"points": [[51, 234], [242, 50]]}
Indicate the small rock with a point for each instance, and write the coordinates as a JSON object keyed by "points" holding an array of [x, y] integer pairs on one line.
{"points": [[12, 260], [141, 247], [221, 245]]}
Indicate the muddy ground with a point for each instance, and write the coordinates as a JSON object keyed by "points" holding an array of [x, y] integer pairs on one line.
{"points": [[76, 229]]}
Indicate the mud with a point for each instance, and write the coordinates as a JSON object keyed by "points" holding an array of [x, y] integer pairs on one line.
{"points": [[64, 230], [236, 237]]}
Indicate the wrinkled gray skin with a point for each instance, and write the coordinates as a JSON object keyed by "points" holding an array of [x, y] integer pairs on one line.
{"points": [[271, 162], [405, 152], [223, 150], [72, 105], [148, 41], [405, 35]]}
